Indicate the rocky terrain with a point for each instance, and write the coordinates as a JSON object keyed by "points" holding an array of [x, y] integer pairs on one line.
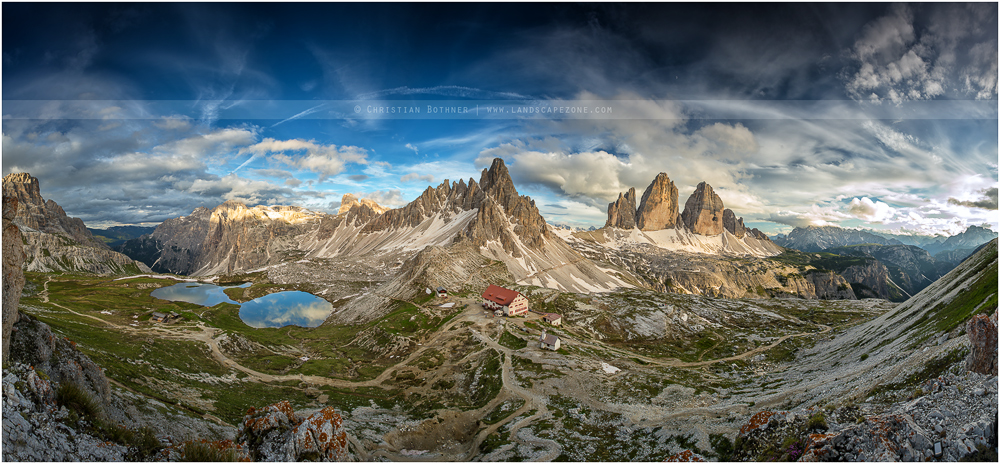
{"points": [[54, 241]]}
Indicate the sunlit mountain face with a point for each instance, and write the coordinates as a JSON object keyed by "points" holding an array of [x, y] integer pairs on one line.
{"points": [[871, 116]]}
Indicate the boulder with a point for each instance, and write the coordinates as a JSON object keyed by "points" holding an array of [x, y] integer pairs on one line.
{"points": [[983, 338], [275, 433]]}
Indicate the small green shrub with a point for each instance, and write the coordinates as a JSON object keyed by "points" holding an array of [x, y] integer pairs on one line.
{"points": [[817, 422], [77, 400], [864, 356], [194, 451], [722, 446]]}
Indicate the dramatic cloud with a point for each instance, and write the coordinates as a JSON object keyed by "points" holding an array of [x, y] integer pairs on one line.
{"points": [[896, 61], [988, 200]]}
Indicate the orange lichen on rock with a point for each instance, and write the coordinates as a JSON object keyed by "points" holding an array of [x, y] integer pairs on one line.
{"points": [[756, 421], [276, 415], [323, 434]]}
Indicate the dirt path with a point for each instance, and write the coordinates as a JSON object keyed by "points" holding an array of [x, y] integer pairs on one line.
{"points": [[531, 399]]}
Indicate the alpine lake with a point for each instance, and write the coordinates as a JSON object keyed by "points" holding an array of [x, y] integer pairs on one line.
{"points": [[274, 310]]}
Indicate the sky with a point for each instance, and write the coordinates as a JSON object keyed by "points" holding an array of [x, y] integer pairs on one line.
{"points": [[879, 116]]}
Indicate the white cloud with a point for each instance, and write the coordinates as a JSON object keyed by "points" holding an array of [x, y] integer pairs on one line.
{"points": [[412, 147], [392, 198], [326, 160], [872, 211], [414, 176], [233, 187]]}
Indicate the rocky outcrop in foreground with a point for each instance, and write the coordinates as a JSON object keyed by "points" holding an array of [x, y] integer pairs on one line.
{"points": [[275, 433], [953, 417], [983, 340], [13, 275]]}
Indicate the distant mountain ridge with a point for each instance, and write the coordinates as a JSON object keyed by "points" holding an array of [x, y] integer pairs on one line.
{"points": [[117, 234], [819, 238], [908, 268]]}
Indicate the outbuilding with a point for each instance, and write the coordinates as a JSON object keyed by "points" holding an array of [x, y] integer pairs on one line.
{"points": [[549, 341], [552, 318]]}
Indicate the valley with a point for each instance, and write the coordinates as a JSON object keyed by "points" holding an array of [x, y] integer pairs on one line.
{"points": [[677, 339], [422, 363]]}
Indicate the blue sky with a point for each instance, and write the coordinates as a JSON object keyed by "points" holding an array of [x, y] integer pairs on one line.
{"points": [[860, 115]]}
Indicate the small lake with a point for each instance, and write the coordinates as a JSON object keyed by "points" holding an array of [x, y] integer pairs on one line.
{"points": [[274, 310]]}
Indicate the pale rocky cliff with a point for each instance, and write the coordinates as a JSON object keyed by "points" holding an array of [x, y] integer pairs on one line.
{"points": [[621, 213], [55, 242], [703, 211], [39, 215], [658, 208]]}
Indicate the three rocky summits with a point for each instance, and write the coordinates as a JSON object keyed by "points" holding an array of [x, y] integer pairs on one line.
{"points": [[704, 213]]}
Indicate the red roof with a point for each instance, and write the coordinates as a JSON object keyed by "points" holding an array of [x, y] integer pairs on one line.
{"points": [[499, 295]]}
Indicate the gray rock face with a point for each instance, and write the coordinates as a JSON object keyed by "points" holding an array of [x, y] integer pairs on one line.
{"points": [[32, 430], [733, 224], [180, 241], [703, 211], [621, 213], [54, 242], [500, 205], [44, 216], [13, 275], [658, 208], [34, 344]]}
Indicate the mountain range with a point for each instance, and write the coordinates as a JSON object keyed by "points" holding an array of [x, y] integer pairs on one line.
{"points": [[488, 214]]}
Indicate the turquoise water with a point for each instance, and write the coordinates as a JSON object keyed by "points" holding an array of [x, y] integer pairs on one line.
{"points": [[274, 310]]}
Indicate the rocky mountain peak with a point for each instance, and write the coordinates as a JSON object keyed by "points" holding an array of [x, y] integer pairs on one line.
{"points": [[347, 202], [733, 224], [621, 213], [658, 208], [500, 204], [703, 211], [36, 213]]}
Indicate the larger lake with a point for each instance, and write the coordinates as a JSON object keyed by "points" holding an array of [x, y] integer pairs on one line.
{"points": [[274, 310]]}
